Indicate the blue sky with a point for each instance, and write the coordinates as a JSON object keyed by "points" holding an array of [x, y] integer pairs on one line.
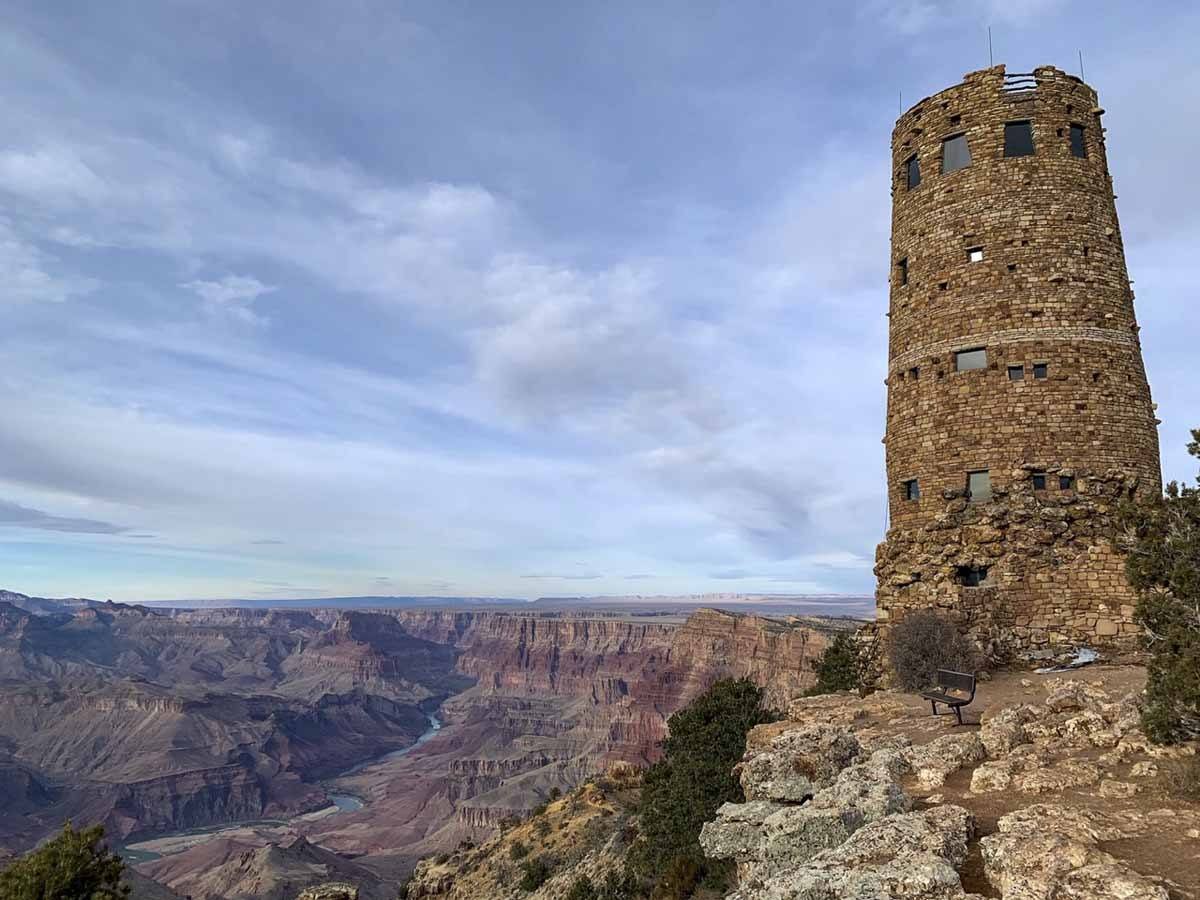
{"points": [[514, 299]]}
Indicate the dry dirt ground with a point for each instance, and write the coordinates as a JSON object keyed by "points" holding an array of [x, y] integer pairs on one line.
{"points": [[1167, 841]]}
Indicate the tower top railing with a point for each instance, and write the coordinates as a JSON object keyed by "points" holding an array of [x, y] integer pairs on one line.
{"points": [[1019, 83]]}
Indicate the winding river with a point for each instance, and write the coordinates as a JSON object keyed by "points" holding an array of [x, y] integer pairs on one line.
{"points": [[175, 842]]}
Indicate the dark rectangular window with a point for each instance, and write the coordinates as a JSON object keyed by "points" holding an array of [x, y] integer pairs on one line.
{"points": [[965, 360], [912, 490], [972, 576], [1040, 370], [1066, 482], [955, 153], [1078, 147], [1016, 373], [979, 485], [1018, 138], [902, 271], [1039, 481], [915, 372], [912, 171]]}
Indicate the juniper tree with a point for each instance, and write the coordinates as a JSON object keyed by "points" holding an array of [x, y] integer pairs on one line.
{"points": [[1163, 540]]}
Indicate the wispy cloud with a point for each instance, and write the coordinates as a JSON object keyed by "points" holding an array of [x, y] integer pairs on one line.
{"points": [[16, 516], [231, 296], [514, 322]]}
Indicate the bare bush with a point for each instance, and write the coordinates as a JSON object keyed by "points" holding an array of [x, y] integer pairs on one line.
{"points": [[1182, 778], [923, 642]]}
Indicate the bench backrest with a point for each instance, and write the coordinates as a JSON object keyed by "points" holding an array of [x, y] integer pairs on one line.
{"points": [[956, 681]]}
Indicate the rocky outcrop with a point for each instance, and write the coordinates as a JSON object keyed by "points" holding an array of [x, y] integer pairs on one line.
{"points": [[841, 826], [333, 890], [841, 803], [1052, 850], [228, 870]]}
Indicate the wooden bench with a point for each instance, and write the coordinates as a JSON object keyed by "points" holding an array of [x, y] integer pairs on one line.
{"points": [[954, 689]]}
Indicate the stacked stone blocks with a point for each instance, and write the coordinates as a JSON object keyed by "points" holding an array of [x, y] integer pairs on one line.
{"points": [[1020, 256]]}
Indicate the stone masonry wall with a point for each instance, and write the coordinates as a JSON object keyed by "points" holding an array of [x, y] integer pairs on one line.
{"points": [[1050, 290]]}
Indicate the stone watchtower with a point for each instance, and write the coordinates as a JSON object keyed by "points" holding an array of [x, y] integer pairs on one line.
{"points": [[1018, 409]]}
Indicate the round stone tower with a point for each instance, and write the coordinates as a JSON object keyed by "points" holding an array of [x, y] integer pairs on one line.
{"points": [[1018, 413]]}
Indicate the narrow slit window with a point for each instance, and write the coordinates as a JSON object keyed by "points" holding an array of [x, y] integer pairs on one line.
{"points": [[979, 486], [1039, 481], [955, 153], [912, 171], [1016, 373], [1078, 146], [1018, 138], [966, 360], [975, 254], [1041, 370], [1066, 482], [911, 489], [902, 271], [914, 373]]}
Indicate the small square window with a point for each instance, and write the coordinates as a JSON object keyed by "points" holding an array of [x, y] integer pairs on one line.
{"points": [[912, 490], [972, 576], [1040, 370], [1039, 481], [975, 254], [1078, 146], [902, 270], [955, 153], [914, 373], [912, 171], [979, 485], [1018, 138], [1016, 373], [966, 360], [1066, 482]]}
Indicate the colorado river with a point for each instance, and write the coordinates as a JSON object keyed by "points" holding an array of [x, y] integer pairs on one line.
{"points": [[167, 844]]}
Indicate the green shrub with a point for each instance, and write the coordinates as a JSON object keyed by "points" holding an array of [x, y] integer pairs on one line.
{"points": [[1163, 540], [679, 880], [73, 866], [542, 827], [837, 669], [519, 850], [534, 873], [682, 791], [582, 889], [923, 642]]}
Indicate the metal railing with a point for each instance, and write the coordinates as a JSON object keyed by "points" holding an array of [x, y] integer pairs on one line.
{"points": [[1019, 82]]}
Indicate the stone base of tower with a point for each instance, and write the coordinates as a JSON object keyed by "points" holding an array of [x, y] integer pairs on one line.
{"points": [[1052, 578]]}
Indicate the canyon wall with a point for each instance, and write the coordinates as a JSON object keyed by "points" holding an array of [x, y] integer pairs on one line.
{"points": [[559, 697]]}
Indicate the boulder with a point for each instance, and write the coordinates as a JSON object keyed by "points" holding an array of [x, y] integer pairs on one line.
{"points": [[737, 831], [905, 855], [799, 762], [933, 762], [1050, 851], [1003, 730]]}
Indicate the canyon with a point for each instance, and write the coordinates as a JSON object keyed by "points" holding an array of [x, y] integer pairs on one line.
{"points": [[253, 722]]}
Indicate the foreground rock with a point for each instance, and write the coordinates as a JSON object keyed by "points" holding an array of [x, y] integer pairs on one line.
{"points": [[827, 819], [842, 804], [1050, 851]]}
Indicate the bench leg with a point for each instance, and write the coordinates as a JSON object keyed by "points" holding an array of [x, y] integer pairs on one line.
{"points": [[933, 706], [958, 712]]}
